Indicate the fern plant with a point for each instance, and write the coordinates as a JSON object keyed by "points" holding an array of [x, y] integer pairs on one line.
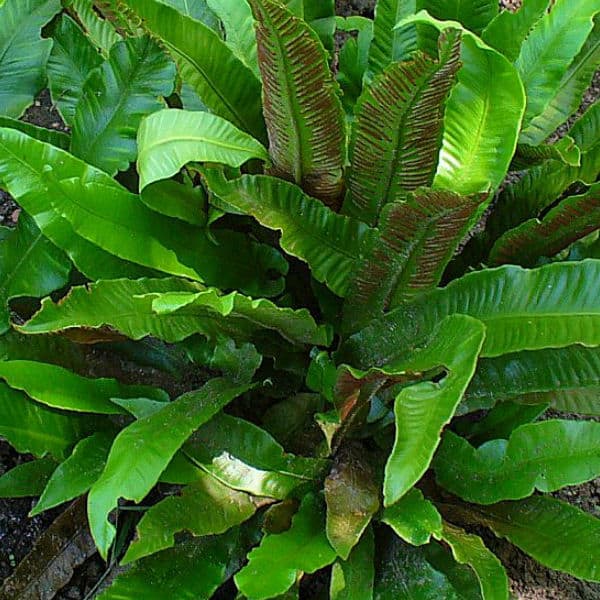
{"points": [[377, 362]]}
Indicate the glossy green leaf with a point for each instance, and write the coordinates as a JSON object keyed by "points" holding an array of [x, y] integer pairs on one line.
{"points": [[470, 549], [473, 14], [422, 410], [509, 29], [328, 242], [99, 31], [274, 565], [191, 570], [482, 117], [60, 388], [72, 58], [205, 507], [114, 99], [27, 479], [566, 311], [570, 220], [304, 115], [169, 139], [23, 52], [223, 82], [564, 150], [75, 203], [390, 44], [50, 136], [37, 429], [198, 10], [571, 90], [353, 578], [352, 498], [238, 22], [546, 54], [545, 456], [246, 458], [397, 132], [567, 378], [30, 265], [142, 451], [413, 518], [556, 534], [75, 475], [417, 239]]}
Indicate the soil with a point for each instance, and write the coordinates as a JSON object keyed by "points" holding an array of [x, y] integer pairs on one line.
{"points": [[18, 532]]}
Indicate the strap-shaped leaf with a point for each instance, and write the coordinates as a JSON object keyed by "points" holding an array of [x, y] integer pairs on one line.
{"points": [[476, 118], [23, 52], [555, 533], [222, 81], [469, 549], [328, 242], [545, 56], [169, 139], [50, 136], [302, 109], [353, 578], [572, 219], [567, 378], [508, 30], [553, 306], [564, 150], [203, 565], [240, 36], [172, 310], [72, 58], [413, 518], [417, 239], [27, 479], [114, 99], [545, 456], [77, 204], [389, 44], [422, 410], [571, 89], [37, 429], [76, 475], [397, 133], [30, 265], [473, 14], [273, 566], [100, 31], [60, 388], [154, 439], [247, 458], [241, 316], [205, 507], [198, 10]]}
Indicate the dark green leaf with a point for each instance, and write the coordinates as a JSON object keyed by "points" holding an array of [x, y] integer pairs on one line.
{"points": [[72, 58], [100, 31], [223, 82], [27, 479], [114, 99], [23, 53], [473, 14], [30, 265], [50, 136]]}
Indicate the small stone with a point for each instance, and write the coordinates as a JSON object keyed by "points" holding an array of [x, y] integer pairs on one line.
{"points": [[14, 216]]}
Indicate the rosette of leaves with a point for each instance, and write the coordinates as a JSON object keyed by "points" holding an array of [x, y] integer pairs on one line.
{"points": [[373, 384]]}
